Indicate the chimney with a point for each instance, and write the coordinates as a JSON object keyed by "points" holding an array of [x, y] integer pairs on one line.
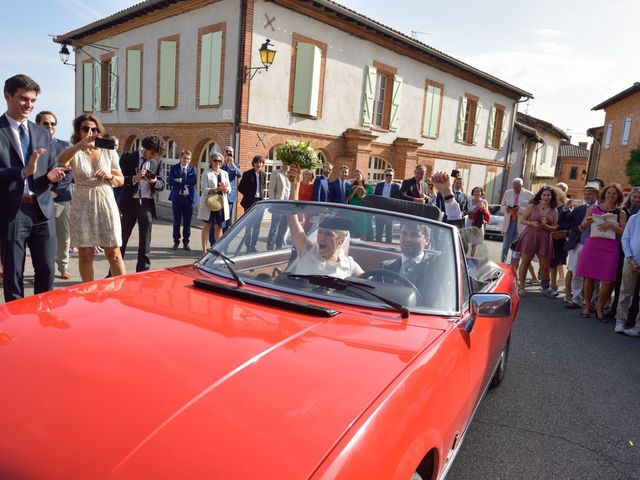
{"points": [[583, 145]]}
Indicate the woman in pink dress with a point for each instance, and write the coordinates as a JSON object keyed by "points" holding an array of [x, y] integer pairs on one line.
{"points": [[540, 218], [599, 257]]}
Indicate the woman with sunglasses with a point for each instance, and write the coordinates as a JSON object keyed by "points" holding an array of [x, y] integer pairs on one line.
{"points": [[215, 180], [95, 219]]}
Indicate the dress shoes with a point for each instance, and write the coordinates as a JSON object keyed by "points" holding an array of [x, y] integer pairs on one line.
{"points": [[186, 247], [175, 245]]}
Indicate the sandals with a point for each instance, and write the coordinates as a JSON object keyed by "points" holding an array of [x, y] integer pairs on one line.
{"points": [[586, 314], [522, 292]]}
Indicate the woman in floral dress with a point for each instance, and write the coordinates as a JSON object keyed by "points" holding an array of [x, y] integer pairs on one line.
{"points": [[95, 219]]}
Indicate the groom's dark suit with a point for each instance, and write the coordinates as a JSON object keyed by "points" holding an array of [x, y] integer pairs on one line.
{"points": [[26, 221]]}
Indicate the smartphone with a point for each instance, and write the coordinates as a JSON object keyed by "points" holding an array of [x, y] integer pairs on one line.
{"points": [[107, 143]]}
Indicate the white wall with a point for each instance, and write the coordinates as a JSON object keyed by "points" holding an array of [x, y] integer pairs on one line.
{"points": [[543, 165], [186, 25], [347, 57]]}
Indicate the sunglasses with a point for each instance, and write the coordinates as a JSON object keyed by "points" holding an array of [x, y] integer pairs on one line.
{"points": [[216, 161], [229, 152], [86, 129], [49, 124], [388, 175]]}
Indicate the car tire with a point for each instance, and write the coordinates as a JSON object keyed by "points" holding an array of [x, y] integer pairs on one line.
{"points": [[498, 375]]}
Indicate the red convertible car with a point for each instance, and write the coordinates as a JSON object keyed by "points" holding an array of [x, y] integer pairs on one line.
{"points": [[313, 341]]}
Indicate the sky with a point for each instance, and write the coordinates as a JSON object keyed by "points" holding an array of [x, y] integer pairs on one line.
{"points": [[570, 54]]}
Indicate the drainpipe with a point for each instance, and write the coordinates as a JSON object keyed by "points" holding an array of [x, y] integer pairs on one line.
{"points": [[510, 144], [239, 79]]}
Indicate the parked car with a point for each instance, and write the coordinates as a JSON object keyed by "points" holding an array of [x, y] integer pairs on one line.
{"points": [[246, 365], [493, 229]]}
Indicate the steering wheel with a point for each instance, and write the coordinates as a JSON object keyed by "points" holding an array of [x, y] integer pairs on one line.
{"points": [[381, 273]]}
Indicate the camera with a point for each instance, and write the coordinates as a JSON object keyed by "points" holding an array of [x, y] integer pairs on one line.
{"points": [[149, 175]]}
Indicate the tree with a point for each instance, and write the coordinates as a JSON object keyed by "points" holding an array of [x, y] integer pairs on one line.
{"points": [[633, 167]]}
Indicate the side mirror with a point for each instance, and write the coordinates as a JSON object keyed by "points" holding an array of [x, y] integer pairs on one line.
{"points": [[492, 305]]}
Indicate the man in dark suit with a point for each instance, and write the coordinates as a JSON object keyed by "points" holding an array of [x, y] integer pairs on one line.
{"points": [[138, 195], [415, 189], [252, 185], [61, 193], [28, 167], [575, 242], [182, 180], [388, 189], [460, 197], [338, 187], [321, 184]]}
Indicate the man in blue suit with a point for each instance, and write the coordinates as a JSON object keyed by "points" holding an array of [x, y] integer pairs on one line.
{"points": [[28, 167], [321, 184], [575, 243], [338, 187], [182, 180], [388, 189]]}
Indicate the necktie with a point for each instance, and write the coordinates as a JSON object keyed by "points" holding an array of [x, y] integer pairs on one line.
{"points": [[420, 188], [184, 179], [342, 189], [514, 214], [407, 267], [26, 152]]}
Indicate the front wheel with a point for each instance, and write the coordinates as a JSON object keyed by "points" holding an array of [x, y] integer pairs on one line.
{"points": [[498, 376]]}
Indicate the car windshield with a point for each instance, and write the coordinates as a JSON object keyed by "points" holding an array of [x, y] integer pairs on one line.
{"points": [[311, 248]]}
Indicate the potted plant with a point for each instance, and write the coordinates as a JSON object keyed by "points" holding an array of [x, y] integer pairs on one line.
{"points": [[301, 154]]}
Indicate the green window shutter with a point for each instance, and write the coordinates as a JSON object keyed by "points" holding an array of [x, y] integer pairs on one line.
{"points": [[370, 74], [87, 87], [97, 86], [492, 126], [306, 90], [113, 84], [503, 134], [435, 112], [431, 111], [205, 69], [395, 103], [216, 68], [476, 130], [134, 58], [168, 56], [462, 109]]}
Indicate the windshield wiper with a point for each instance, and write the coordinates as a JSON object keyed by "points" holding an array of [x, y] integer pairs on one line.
{"points": [[228, 262], [342, 284]]}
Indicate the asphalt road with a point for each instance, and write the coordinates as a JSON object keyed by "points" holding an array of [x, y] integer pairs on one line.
{"points": [[569, 407]]}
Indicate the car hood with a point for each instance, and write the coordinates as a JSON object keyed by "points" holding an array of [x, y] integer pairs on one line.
{"points": [[146, 376]]}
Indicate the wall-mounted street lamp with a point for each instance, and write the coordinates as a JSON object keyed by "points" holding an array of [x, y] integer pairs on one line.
{"points": [[65, 53], [267, 54], [583, 175]]}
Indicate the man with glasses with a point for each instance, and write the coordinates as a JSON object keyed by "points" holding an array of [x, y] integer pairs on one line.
{"points": [[138, 195], [389, 189], [61, 194]]}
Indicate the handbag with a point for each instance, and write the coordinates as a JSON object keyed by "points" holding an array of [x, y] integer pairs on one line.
{"points": [[559, 234], [215, 202]]}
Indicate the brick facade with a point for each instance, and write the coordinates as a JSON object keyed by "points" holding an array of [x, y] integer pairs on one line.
{"points": [[613, 160]]}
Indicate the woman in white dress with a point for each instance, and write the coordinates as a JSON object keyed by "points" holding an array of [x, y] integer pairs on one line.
{"points": [[214, 180], [95, 219], [328, 253]]}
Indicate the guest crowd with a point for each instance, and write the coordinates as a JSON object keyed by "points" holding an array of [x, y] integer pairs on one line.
{"points": [[58, 196]]}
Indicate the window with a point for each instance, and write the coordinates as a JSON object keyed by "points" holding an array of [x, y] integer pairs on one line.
{"points": [[87, 86], [377, 166], [464, 173], [626, 129], [607, 135], [490, 185], [168, 158], [168, 72], [548, 157], [432, 109], [203, 161], [468, 120], [381, 99], [496, 132], [136, 143], [309, 58], [210, 62], [573, 174], [108, 83], [134, 78], [322, 158]]}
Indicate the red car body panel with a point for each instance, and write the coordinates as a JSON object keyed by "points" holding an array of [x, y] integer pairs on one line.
{"points": [[146, 376]]}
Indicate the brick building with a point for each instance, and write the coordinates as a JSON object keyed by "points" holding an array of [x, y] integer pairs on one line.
{"points": [[366, 95], [620, 135], [571, 167]]}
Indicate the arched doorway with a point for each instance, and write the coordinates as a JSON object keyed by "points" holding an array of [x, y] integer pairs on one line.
{"points": [[169, 157], [377, 166]]}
